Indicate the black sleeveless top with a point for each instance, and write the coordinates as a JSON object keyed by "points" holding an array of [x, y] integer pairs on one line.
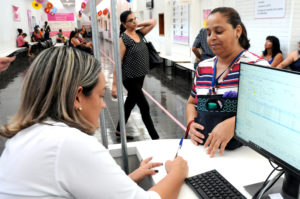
{"points": [[136, 57], [296, 65]]}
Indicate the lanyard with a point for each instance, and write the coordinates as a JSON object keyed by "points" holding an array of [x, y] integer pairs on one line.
{"points": [[215, 81]]}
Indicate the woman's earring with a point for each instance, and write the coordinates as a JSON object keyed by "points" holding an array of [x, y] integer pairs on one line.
{"points": [[80, 108]]}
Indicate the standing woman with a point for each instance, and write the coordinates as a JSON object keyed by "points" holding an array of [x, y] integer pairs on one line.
{"points": [[227, 38], [135, 66], [272, 52]]}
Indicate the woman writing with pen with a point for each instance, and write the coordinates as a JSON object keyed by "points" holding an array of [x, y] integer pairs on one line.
{"points": [[50, 151], [216, 81]]}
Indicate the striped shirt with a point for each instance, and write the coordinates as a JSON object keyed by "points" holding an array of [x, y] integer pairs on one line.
{"points": [[204, 74]]}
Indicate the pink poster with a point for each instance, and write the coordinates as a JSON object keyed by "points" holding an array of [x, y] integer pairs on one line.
{"points": [[29, 21], [205, 15], [16, 13], [61, 17]]}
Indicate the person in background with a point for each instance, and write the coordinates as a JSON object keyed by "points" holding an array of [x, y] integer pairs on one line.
{"points": [[22, 43], [83, 31], [292, 60], [20, 31], [36, 37], [47, 34], [5, 62], [272, 52], [227, 38], [60, 38], [201, 43], [46, 26], [135, 66], [41, 32], [75, 42], [50, 151], [83, 41]]}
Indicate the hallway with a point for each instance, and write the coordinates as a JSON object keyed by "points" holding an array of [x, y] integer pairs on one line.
{"points": [[167, 87]]}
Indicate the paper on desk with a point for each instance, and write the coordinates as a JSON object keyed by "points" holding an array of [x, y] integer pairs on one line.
{"points": [[275, 196]]}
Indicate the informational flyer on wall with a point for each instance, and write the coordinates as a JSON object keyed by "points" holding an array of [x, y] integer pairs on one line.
{"points": [[180, 22], [269, 9]]}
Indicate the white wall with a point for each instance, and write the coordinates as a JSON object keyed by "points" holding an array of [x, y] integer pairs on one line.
{"points": [[286, 29], [8, 27]]}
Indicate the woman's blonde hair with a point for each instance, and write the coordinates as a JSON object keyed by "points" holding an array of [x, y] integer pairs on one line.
{"points": [[50, 89]]}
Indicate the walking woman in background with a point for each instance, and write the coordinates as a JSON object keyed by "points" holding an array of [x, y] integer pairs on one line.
{"points": [[135, 66], [272, 52], [51, 152]]}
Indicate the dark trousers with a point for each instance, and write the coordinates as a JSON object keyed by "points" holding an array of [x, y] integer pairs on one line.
{"points": [[136, 96]]}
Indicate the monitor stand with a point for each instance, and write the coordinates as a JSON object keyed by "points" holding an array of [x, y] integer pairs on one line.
{"points": [[287, 186], [291, 185]]}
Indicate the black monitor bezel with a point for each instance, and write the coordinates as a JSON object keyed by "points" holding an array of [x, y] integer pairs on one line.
{"points": [[258, 149]]}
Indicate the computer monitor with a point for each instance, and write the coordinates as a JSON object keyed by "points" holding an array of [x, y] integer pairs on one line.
{"points": [[268, 115]]}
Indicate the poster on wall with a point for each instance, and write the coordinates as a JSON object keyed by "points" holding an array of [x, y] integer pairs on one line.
{"points": [[16, 13], [29, 18], [269, 9], [205, 15], [61, 17], [180, 22]]}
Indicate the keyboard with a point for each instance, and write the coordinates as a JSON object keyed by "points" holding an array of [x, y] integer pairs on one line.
{"points": [[212, 185]]}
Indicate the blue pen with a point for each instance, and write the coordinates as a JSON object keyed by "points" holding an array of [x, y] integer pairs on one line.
{"points": [[180, 145]]}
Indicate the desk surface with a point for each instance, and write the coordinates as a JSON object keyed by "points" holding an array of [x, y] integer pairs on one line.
{"points": [[189, 66], [176, 57], [240, 167]]}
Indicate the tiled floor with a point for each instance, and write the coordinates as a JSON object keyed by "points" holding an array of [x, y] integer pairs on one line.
{"points": [[169, 87]]}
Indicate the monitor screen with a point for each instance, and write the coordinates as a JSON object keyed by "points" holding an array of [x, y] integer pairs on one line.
{"points": [[268, 114]]}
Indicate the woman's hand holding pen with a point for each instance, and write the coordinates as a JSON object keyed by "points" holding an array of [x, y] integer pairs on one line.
{"points": [[144, 170], [177, 167], [194, 133], [220, 136]]}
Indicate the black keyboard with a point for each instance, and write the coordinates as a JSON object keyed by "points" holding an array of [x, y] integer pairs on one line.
{"points": [[212, 185]]}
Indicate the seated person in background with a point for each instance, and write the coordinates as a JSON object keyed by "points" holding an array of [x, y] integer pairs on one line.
{"points": [[60, 38], [5, 62], [83, 31], [36, 37], [75, 42], [82, 40], [20, 31], [41, 32], [272, 52], [22, 43], [292, 60], [53, 134]]}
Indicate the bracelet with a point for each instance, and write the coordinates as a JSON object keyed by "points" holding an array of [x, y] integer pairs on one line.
{"points": [[188, 128]]}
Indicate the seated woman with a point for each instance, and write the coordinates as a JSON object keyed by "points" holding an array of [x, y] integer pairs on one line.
{"points": [[36, 37], [60, 38], [82, 40], [51, 152], [22, 43], [75, 42], [272, 52], [292, 60]]}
